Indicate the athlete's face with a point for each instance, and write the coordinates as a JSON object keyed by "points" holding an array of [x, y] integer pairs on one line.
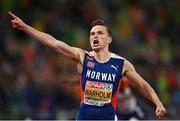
{"points": [[99, 38]]}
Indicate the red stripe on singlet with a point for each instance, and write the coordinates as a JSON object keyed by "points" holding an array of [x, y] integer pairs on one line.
{"points": [[81, 90], [114, 99]]}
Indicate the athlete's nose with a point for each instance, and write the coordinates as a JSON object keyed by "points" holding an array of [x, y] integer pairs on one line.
{"points": [[95, 36]]}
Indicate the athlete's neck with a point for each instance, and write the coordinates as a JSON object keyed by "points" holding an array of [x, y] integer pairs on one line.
{"points": [[102, 56]]}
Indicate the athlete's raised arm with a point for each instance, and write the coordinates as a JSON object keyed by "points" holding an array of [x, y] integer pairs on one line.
{"points": [[135, 79], [46, 39]]}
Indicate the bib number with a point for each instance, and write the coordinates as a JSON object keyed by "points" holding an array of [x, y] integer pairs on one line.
{"points": [[97, 93]]}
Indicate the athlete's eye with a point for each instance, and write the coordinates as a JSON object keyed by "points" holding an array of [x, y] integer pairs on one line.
{"points": [[100, 32], [92, 33]]}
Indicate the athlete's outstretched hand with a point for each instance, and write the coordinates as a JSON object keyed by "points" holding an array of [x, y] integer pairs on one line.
{"points": [[16, 22], [160, 111]]}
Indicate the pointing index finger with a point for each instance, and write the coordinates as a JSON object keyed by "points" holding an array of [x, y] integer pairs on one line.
{"points": [[12, 15]]}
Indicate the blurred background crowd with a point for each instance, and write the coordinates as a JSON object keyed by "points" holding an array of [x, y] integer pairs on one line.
{"points": [[37, 83]]}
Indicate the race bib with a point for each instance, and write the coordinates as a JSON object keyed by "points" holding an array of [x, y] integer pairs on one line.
{"points": [[97, 93]]}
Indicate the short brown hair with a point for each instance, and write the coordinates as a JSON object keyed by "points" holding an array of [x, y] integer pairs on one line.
{"points": [[101, 23]]}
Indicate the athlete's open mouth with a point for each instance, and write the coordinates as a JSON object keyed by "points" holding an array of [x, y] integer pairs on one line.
{"points": [[95, 41]]}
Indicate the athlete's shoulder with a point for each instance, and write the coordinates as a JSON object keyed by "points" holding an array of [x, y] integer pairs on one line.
{"points": [[90, 53], [126, 62], [113, 55]]}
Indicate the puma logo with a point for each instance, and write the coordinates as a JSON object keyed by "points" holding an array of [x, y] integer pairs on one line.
{"points": [[115, 67]]}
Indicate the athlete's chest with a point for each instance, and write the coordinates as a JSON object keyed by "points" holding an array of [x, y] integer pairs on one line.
{"points": [[102, 71], [100, 80]]}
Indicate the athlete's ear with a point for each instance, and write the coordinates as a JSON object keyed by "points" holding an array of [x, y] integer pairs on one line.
{"points": [[109, 40]]}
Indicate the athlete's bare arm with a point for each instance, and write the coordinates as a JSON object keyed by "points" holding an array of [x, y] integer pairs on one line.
{"points": [[73, 53], [135, 79]]}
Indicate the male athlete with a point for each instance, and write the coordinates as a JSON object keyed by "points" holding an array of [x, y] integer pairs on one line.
{"points": [[101, 71]]}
